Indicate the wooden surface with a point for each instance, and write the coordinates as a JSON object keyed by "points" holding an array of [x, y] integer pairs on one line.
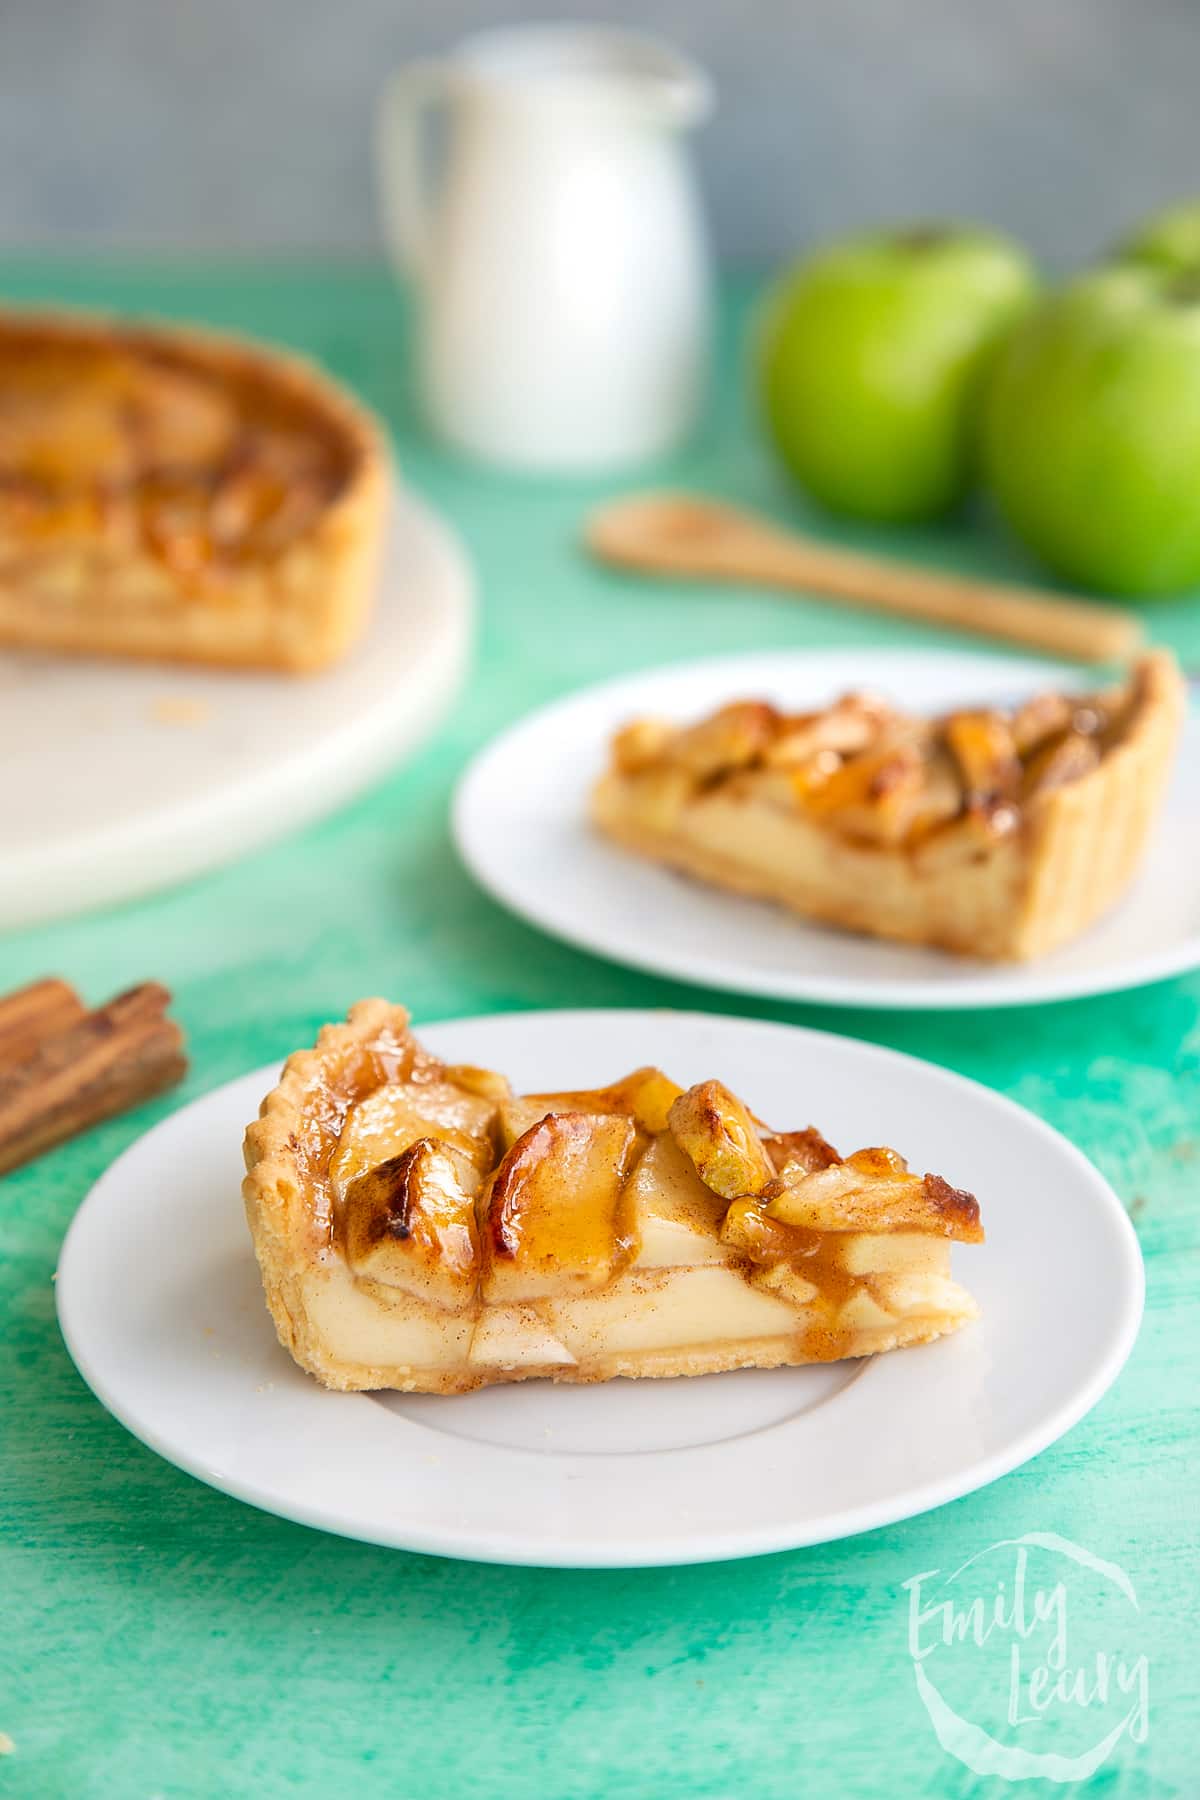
{"points": [[160, 1639]]}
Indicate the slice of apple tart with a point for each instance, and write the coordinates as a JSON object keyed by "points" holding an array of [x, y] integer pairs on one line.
{"points": [[993, 833], [419, 1226]]}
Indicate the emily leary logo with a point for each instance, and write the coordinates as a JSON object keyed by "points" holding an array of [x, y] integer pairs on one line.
{"points": [[1024, 1659]]}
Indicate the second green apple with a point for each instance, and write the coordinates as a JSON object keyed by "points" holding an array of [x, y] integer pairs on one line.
{"points": [[869, 359], [1091, 430]]}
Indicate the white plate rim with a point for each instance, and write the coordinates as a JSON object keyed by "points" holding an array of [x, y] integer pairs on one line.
{"points": [[476, 1545], [1022, 985], [172, 845]]}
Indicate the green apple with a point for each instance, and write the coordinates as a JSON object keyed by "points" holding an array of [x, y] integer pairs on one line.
{"points": [[869, 360], [1169, 240], [1091, 430]]}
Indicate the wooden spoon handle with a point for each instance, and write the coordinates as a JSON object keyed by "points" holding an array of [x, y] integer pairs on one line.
{"points": [[689, 535], [1073, 628]]}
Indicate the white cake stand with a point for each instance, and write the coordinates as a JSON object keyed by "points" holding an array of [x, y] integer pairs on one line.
{"points": [[119, 778]]}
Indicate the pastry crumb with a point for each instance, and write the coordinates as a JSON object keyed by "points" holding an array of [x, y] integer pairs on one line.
{"points": [[179, 709], [6, 1744]]}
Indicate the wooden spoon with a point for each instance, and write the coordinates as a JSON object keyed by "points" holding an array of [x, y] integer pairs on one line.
{"points": [[686, 534]]}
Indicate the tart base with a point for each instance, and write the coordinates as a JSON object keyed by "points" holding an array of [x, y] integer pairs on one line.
{"points": [[311, 1349], [765, 1353], [1072, 857]]}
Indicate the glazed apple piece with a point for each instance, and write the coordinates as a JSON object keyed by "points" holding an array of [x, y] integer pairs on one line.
{"points": [[647, 1096], [396, 1115], [550, 1218], [1041, 717], [409, 1223], [875, 1191], [517, 1115], [1060, 760], [730, 739], [798, 1152], [754, 1232], [875, 796], [985, 750], [718, 1134], [486, 1084], [843, 729], [640, 744]]}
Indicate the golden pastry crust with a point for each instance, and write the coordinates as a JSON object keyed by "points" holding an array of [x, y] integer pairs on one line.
{"points": [[420, 1227], [282, 1189], [987, 834], [176, 494]]}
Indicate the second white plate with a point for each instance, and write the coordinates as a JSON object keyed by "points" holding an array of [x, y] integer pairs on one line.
{"points": [[521, 825], [625, 1472]]}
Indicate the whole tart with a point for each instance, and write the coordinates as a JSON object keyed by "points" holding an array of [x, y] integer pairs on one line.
{"points": [[170, 493], [419, 1226], [993, 833]]}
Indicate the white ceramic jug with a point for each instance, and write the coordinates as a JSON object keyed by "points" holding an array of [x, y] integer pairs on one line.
{"points": [[559, 256]]}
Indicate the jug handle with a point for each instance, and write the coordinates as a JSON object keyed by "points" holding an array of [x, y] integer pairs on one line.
{"points": [[403, 186]]}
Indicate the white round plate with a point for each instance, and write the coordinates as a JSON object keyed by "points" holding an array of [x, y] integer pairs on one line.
{"points": [[121, 777], [161, 1308], [520, 820]]}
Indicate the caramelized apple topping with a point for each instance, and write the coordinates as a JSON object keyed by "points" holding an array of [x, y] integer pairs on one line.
{"points": [[640, 744], [843, 729], [755, 1233], [446, 1187], [873, 1192], [141, 446], [398, 1114], [410, 1223], [1044, 716], [1060, 760], [550, 1219], [870, 773], [719, 1136], [485, 1084], [982, 745], [800, 1151], [647, 1096], [731, 739]]}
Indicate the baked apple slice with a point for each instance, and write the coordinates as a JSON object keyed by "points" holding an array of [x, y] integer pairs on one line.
{"points": [[550, 1217]]}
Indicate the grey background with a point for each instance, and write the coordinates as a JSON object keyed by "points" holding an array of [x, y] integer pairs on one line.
{"points": [[245, 124]]}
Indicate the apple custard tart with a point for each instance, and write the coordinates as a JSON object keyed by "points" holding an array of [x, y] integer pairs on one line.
{"points": [[992, 833], [170, 493], [419, 1226]]}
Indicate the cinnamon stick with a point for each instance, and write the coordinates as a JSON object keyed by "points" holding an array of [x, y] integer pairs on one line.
{"points": [[34, 1013], [105, 1062]]}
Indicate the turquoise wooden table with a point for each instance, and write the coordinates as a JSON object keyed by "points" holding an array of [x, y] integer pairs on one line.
{"points": [[161, 1639]]}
